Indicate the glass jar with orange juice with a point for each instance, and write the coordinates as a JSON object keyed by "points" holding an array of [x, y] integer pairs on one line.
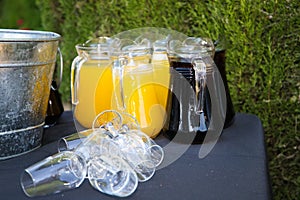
{"points": [[122, 75], [135, 85], [91, 81]]}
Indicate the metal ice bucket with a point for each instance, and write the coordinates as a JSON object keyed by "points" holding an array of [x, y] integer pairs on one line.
{"points": [[27, 63]]}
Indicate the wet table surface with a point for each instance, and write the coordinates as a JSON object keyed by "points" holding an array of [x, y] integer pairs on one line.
{"points": [[236, 168]]}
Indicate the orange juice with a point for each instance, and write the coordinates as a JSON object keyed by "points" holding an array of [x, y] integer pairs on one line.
{"points": [[161, 77], [94, 91], [141, 100], [145, 89]]}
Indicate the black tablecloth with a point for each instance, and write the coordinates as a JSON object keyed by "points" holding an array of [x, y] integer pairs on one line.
{"points": [[235, 169]]}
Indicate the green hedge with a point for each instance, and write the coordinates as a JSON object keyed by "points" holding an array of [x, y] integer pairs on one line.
{"points": [[19, 14], [262, 57]]}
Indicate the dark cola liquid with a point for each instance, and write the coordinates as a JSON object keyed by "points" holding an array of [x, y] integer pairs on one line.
{"points": [[182, 119], [219, 59]]}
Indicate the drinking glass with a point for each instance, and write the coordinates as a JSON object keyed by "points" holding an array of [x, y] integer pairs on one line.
{"points": [[111, 175], [109, 120], [152, 149], [71, 142], [134, 152], [133, 148], [63, 171]]}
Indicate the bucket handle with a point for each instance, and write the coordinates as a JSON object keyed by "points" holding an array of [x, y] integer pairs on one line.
{"points": [[60, 71]]}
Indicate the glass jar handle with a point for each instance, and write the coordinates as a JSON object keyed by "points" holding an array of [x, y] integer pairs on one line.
{"points": [[200, 77], [199, 67], [75, 78], [118, 73]]}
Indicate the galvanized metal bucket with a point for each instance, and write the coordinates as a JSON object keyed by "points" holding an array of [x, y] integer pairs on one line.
{"points": [[27, 63]]}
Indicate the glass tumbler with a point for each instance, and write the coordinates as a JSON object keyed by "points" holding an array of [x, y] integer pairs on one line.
{"points": [[111, 175], [63, 171]]}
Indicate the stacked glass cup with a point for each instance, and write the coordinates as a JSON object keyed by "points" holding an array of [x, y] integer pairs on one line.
{"points": [[114, 156]]}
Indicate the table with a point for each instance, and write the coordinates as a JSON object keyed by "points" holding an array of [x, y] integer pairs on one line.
{"points": [[236, 168]]}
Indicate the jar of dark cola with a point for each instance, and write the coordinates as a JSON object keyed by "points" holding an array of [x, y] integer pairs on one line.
{"points": [[196, 87]]}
